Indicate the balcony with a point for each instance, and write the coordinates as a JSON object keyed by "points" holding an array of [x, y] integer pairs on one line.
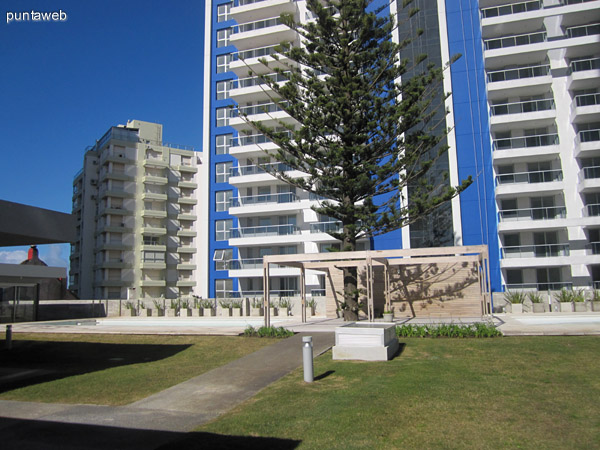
{"points": [[542, 286], [187, 183], [583, 30], [161, 197], [186, 248], [544, 213], [153, 264], [523, 107], [326, 227], [187, 200], [514, 41], [186, 283], [592, 210], [115, 228], [593, 248], [114, 192], [536, 251], [514, 8], [543, 140], [159, 214], [588, 140], [246, 10], [583, 65], [153, 283], [154, 179], [587, 107], [116, 210], [188, 168], [261, 32], [157, 163], [261, 231], [285, 197], [187, 216], [154, 231], [186, 232], [542, 176]]}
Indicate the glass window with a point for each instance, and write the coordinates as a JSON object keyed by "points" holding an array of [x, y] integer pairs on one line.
{"points": [[222, 229], [222, 257], [222, 171], [223, 37], [222, 200], [223, 12], [223, 142], [223, 88], [223, 288], [223, 63], [223, 115]]}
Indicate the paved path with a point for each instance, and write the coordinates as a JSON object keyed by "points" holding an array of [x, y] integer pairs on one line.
{"points": [[160, 418]]}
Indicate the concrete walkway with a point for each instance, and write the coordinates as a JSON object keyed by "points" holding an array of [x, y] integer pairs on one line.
{"points": [[160, 418]]}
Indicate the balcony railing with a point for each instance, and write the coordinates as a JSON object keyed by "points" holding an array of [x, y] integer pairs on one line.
{"points": [[326, 227], [589, 135], [257, 81], [256, 52], [514, 41], [258, 25], [536, 251], [526, 141], [581, 65], [276, 293], [587, 99], [544, 213], [255, 169], [540, 176], [583, 30], [593, 248], [591, 172], [541, 286], [284, 197], [260, 109], [523, 107], [593, 209], [268, 230], [518, 73], [515, 8]]}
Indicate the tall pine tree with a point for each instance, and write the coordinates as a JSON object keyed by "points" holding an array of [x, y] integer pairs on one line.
{"points": [[362, 132]]}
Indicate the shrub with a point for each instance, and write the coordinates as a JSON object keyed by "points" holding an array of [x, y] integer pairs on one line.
{"points": [[257, 302], [225, 303], [514, 297], [477, 330], [564, 296], [236, 304], [157, 303], [578, 296], [535, 297], [175, 303], [272, 332]]}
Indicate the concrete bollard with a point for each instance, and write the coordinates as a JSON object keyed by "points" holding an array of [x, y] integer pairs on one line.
{"points": [[8, 342], [307, 359]]}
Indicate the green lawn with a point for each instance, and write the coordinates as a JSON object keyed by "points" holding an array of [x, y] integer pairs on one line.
{"points": [[112, 369], [517, 392]]}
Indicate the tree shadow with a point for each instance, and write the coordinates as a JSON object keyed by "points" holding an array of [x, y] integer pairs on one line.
{"points": [[33, 362], [37, 434], [324, 375]]}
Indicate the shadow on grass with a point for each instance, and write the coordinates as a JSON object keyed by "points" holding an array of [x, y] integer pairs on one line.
{"points": [[33, 362], [324, 375], [35, 434], [401, 347]]}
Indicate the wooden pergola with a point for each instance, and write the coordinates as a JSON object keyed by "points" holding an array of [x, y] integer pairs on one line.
{"points": [[370, 259]]}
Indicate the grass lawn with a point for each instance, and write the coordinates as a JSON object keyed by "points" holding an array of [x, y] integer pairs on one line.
{"points": [[112, 369], [517, 392]]}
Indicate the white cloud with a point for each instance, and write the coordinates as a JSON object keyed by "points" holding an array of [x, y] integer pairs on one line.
{"points": [[53, 254], [13, 256]]}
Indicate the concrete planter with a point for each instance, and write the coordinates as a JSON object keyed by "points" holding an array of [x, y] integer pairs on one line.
{"points": [[195, 312], [172, 312], [225, 312], [595, 306], [147, 313], [365, 341], [516, 308], [208, 312], [579, 306], [538, 307], [185, 312], [236, 312], [566, 306], [273, 311], [256, 312], [133, 312]]}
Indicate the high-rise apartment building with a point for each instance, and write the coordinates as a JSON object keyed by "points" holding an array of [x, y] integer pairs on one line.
{"points": [[252, 214], [525, 124], [138, 202]]}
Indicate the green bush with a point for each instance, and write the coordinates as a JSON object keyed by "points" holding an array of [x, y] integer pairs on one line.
{"points": [[535, 297], [514, 297], [478, 330], [272, 332]]}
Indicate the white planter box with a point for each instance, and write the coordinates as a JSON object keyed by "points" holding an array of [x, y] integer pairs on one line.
{"points": [[516, 308], [256, 312], [236, 312], [365, 341], [566, 306]]}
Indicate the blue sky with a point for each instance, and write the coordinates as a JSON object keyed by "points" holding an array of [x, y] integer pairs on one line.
{"points": [[63, 84]]}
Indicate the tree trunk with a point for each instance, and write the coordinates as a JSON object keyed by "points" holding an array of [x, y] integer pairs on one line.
{"points": [[351, 306]]}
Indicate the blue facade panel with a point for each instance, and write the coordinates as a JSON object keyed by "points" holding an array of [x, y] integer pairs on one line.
{"points": [[472, 128]]}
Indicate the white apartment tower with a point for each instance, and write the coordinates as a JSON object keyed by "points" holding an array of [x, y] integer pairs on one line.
{"points": [[137, 202]]}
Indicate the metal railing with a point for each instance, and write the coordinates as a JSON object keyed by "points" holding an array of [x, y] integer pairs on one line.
{"points": [[326, 227], [583, 30], [542, 286], [267, 230], [255, 52], [589, 135], [593, 247], [260, 109], [581, 65], [540, 176], [257, 25], [513, 8], [256, 169], [592, 209], [514, 41], [523, 107], [526, 141], [591, 172], [587, 99], [536, 251], [283, 197], [544, 213], [259, 80], [518, 73]]}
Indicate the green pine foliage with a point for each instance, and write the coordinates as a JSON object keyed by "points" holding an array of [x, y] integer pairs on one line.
{"points": [[360, 134]]}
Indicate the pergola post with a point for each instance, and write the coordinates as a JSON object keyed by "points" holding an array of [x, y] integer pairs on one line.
{"points": [[267, 289], [370, 289], [303, 292]]}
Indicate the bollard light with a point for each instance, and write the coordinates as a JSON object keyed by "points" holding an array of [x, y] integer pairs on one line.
{"points": [[307, 358], [8, 342]]}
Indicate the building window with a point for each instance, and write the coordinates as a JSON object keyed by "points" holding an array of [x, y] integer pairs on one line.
{"points": [[223, 115], [154, 257], [222, 200], [222, 229], [223, 37], [222, 257], [223, 288], [222, 171], [223, 12], [223, 63], [223, 142], [223, 88]]}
